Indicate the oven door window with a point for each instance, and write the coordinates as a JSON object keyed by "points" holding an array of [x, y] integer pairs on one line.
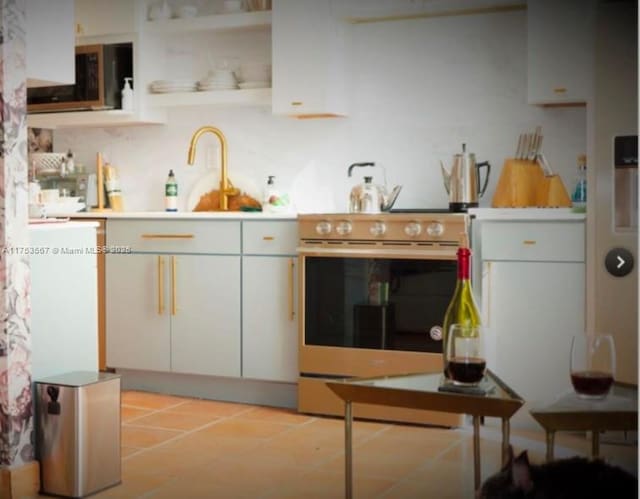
{"points": [[389, 304]]}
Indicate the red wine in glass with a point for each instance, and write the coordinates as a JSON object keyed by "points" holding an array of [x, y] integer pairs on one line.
{"points": [[591, 383], [466, 370], [593, 362]]}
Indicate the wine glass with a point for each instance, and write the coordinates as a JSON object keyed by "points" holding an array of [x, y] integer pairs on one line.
{"points": [[593, 364], [465, 356]]}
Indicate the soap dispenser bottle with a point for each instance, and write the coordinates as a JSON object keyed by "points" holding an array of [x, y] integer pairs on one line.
{"points": [[273, 200], [579, 195], [270, 196], [127, 95]]}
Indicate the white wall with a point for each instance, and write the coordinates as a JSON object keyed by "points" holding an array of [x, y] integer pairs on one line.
{"points": [[420, 88]]}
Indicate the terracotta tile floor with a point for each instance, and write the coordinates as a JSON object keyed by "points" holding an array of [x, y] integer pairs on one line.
{"points": [[180, 448]]}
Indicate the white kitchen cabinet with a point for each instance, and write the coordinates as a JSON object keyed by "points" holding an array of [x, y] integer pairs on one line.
{"points": [[216, 298], [100, 18], [170, 311], [138, 328], [64, 298], [560, 49], [532, 295], [50, 42], [269, 301], [269, 319], [205, 328], [309, 47]]}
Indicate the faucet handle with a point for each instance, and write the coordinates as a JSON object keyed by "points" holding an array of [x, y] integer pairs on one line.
{"points": [[231, 189]]}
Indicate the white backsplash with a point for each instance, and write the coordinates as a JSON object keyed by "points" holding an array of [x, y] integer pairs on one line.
{"points": [[420, 88]]}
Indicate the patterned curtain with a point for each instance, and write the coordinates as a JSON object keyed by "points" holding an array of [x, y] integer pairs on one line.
{"points": [[16, 412]]}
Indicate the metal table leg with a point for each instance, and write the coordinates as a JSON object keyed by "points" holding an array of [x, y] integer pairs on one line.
{"points": [[595, 443], [550, 437], [505, 441], [348, 451], [476, 451]]}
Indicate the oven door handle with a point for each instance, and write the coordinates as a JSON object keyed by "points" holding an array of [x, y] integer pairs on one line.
{"points": [[412, 253]]}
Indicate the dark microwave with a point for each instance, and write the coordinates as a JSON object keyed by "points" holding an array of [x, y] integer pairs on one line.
{"points": [[100, 73]]}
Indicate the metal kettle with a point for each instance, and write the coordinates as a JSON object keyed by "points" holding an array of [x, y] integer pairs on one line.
{"points": [[463, 181], [369, 197]]}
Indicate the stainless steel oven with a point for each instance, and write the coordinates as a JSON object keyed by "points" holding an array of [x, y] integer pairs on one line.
{"points": [[374, 291]]}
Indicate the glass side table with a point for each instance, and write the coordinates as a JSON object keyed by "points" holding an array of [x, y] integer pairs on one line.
{"points": [[619, 411], [420, 391]]}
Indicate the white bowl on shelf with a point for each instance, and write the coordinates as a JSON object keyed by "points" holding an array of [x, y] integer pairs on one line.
{"points": [[188, 12], [233, 6], [160, 12]]}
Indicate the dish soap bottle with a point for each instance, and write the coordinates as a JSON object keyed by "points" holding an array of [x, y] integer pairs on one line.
{"points": [[69, 163], [127, 95], [579, 195], [273, 201], [171, 193]]}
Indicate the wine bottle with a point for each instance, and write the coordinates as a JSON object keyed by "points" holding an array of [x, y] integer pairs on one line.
{"points": [[462, 308]]}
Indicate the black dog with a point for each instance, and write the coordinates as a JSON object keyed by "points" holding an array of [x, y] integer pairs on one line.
{"points": [[573, 478]]}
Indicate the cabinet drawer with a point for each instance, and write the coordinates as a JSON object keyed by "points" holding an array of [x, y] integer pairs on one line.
{"points": [[270, 238], [539, 241], [175, 236]]}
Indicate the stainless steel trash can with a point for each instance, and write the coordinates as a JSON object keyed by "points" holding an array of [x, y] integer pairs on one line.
{"points": [[78, 433]]}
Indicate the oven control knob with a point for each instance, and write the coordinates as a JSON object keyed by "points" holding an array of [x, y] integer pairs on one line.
{"points": [[412, 229], [377, 229], [435, 229], [323, 228], [344, 228]]}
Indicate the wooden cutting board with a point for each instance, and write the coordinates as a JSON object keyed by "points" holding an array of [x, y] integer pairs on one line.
{"points": [[211, 180]]}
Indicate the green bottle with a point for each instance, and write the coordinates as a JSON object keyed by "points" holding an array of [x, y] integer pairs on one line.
{"points": [[171, 193], [462, 308]]}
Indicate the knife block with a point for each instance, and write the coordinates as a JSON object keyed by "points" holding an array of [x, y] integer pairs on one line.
{"points": [[518, 185], [523, 184], [552, 193]]}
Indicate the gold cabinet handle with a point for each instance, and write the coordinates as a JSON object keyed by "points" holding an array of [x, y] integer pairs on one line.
{"points": [[528, 242], [296, 103], [292, 312], [268, 238], [160, 285], [174, 291], [167, 236], [559, 90]]}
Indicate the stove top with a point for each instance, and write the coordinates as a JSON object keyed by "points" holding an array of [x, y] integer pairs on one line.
{"points": [[437, 226], [420, 210]]}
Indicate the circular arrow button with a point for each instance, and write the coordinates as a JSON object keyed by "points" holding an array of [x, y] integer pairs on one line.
{"points": [[619, 262]]}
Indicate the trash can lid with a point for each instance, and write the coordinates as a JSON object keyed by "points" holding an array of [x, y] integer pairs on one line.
{"points": [[78, 378]]}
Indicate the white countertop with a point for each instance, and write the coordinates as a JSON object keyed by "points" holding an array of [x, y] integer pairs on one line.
{"points": [[188, 215], [543, 214], [59, 224]]}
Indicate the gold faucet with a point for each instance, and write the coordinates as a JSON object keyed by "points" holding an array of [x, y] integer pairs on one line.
{"points": [[226, 187]]}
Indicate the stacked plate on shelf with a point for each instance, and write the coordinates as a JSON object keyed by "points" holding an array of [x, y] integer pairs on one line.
{"points": [[222, 79], [170, 86], [254, 84], [255, 75]]}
